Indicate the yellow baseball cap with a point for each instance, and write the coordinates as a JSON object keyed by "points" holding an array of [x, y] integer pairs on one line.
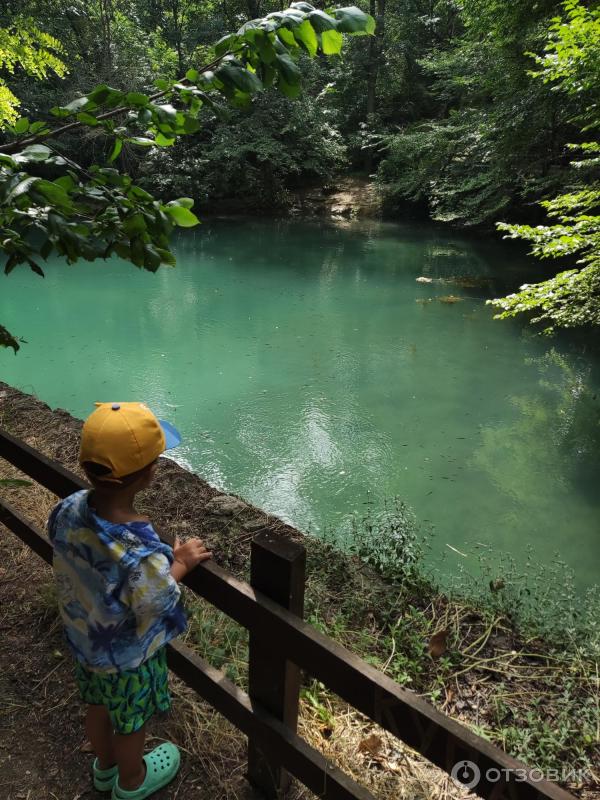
{"points": [[124, 438]]}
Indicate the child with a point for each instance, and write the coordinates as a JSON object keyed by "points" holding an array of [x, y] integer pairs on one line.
{"points": [[119, 598]]}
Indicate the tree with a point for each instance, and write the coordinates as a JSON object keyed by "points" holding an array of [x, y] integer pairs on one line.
{"points": [[52, 204], [485, 139], [35, 52], [571, 63]]}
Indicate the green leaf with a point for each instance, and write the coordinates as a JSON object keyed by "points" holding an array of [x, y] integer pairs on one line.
{"points": [[166, 112], [21, 125], [293, 16], [46, 249], [166, 256], [331, 42], [226, 43], [186, 202], [34, 152], [288, 69], [234, 75], [353, 20], [137, 252], [36, 268], [36, 127], [105, 95], [152, 258], [141, 141], [192, 75], [305, 33], [163, 141], [304, 7], [181, 216], [87, 119], [53, 192], [190, 124], [13, 483], [75, 105], [136, 99], [287, 37], [21, 188], [134, 225], [59, 112], [264, 46], [321, 21], [140, 194], [118, 146], [66, 182]]}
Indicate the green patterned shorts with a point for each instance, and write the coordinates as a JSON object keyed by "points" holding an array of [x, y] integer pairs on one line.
{"points": [[132, 696]]}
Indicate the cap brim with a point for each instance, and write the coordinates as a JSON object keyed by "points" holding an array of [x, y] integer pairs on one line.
{"points": [[172, 435]]}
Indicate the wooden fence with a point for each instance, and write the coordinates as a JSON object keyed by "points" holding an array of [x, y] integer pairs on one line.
{"points": [[281, 644]]}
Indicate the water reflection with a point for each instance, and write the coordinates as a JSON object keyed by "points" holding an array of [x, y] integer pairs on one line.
{"points": [[545, 462], [307, 376]]}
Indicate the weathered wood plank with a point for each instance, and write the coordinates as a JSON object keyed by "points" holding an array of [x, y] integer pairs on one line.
{"points": [[277, 568], [27, 532], [302, 761], [44, 470]]}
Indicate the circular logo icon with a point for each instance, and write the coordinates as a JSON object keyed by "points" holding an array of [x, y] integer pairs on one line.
{"points": [[466, 774]]}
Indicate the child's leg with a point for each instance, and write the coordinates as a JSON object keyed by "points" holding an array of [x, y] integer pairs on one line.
{"points": [[99, 731], [129, 752]]}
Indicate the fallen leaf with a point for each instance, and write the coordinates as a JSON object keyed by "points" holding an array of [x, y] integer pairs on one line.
{"points": [[86, 747], [437, 643], [372, 744]]}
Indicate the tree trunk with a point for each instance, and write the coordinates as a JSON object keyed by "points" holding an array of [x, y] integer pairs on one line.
{"points": [[377, 10], [253, 9], [106, 14], [178, 34]]}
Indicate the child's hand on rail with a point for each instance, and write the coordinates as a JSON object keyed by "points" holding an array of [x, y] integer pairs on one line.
{"points": [[187, 556]]}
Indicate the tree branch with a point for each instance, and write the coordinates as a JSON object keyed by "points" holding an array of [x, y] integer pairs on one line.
{"points": [[15, 147]]}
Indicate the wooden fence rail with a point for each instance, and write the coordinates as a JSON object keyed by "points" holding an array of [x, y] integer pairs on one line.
{"points": [[281, 644]]}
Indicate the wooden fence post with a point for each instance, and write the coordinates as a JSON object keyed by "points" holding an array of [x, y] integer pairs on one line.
{"points": [[277, 570]]}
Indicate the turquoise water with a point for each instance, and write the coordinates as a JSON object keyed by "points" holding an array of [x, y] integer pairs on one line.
{"points": [[309, 373]]}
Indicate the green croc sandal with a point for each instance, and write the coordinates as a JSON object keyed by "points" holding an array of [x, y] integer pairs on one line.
{"points": [[104, 779], [162, 765]]}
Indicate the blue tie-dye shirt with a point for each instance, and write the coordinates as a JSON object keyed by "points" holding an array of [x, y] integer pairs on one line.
{"points": [[117, 597]]}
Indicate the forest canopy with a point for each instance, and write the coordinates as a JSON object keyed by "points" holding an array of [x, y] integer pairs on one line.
{"points": [[476, 114]]}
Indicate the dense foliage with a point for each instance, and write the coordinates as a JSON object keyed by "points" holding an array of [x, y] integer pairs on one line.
{"points": [[571, 64]]}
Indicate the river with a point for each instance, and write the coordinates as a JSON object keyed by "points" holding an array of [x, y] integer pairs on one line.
{"points": [[310, 372]]}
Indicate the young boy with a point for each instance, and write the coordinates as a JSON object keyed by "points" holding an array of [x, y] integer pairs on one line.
{"points": [[119, 598]]}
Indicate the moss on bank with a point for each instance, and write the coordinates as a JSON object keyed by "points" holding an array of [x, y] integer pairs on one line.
{"points": [[515, 658]]}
